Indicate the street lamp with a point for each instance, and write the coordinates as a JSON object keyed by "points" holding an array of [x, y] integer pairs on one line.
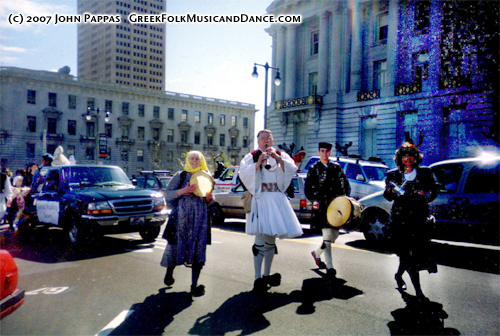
{"points": [[277, 82], [88, 116]]}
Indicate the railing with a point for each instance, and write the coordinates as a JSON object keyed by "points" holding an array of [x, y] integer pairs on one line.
{"points": [[405, 89], [124, 141], [303, 101], [368, 95]]}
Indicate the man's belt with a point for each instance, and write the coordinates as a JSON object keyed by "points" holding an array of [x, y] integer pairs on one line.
{"points": [[269, 187]]}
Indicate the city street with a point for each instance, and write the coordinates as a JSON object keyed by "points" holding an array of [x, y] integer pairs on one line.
{"points": [[116, 288]]}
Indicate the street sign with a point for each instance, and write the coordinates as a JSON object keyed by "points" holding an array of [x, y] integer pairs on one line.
{"points": [[103, 145]]}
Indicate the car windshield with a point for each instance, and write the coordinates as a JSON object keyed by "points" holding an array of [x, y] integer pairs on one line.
{"points": [[165, 181], [95, 176], [375, 173]]}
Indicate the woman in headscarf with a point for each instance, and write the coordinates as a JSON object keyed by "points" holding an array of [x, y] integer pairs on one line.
{"points": [[411, 187], [190, 213]]}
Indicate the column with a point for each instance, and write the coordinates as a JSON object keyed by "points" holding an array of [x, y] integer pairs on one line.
{"points": [[280, 62], [392, 43], [356, 49], [336, 56], [290, 76], [324, 46]]}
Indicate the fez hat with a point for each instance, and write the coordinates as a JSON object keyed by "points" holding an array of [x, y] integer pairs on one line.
{"points": [[326, 145], [48, 157]]}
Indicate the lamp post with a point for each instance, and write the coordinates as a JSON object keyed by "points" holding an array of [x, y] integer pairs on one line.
{"points": [[277, 82], [97, 137]]}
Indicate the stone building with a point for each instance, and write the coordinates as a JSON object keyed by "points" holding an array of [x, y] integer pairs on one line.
{"points": [[364, 72], [115, 124]]}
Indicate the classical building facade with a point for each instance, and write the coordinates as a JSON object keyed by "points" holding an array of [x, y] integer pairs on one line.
{"points": [[361, 73], [113, 124], [124, 53]]}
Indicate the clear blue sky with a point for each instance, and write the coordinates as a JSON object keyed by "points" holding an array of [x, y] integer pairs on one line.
{"points": [[211, 60]]}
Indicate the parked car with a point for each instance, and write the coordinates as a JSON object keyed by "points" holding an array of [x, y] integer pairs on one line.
{"points": [[467, 205], [11, 297], [153, 179], [365, 176], [87, 200], [232, 204], [227, 180]]}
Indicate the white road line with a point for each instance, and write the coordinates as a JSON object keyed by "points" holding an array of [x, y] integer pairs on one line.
{"points": [[115, 323]]}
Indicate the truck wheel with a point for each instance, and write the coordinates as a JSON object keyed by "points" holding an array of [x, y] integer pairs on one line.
{"points": [[75, 234], [376, 226], [149, 234]]}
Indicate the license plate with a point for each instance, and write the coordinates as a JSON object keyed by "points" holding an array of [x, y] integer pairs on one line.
{"points": [[137, 220]]}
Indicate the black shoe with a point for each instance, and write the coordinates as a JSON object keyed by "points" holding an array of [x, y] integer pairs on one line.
{"points": [[273, 280], [198, 290], [331, 273], [260, 285], [400, 282], [168, 280]]}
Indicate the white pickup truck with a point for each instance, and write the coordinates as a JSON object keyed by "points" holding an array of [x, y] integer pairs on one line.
{"points": [[227, 180]]}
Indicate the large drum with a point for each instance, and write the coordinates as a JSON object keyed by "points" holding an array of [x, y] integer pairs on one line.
{"points": [[204, 182], [344, 212]]}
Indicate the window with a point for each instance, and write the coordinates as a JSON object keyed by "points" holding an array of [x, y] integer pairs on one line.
{"points": [[197, 138], [354, 172], [170, 135], [51, 148], [447, 176], [197, 117], [379, 74], [124, 155], [245, 122], [222, 119], [410, 124], [108, 105], [314, 43], [108, 130], [71, 101], [140, 155], [124, 108], [422, 15], [313, 83], [420, 65], [89, 153], [30, 150], [170, 113], [483, 180], [90, 103], [125, 131], [141, 110], [90, 129], [222, 140], [184, 136], [210, 119], [382, 27], [71, 127], [184, 116], [234, 141], [70, 150], [51, 125], [210, 139], [52, 99], [140, 133], [245, 141], [31, 124], [156, 112], [155, 133], [170, 156], [31, 97], [233, 121]]}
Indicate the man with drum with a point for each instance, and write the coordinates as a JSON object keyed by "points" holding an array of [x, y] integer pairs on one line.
{"points": [[325, 181]]}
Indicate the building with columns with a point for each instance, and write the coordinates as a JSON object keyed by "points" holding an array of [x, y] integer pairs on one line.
{"points": [[361, 73], [115, 124]]}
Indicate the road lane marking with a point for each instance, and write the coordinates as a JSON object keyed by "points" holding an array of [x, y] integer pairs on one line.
{"points": [[115, 323]]}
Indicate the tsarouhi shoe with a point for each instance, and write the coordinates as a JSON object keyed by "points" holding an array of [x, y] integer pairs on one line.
{"points": [[260, 285], [273, 280], [318, 261]]}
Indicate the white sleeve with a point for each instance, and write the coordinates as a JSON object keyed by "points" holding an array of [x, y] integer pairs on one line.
{"points": [[248, 175], [285, 177]]}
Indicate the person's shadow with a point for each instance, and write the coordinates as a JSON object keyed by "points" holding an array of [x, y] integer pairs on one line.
{"points": [[152, 316], [419, 317]]}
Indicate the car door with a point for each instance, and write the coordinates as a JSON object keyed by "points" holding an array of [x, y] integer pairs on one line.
{"points": [[357, 180], [48, 200]]}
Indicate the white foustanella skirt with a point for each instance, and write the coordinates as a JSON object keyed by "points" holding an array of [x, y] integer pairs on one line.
{"points": [[273, 215]]}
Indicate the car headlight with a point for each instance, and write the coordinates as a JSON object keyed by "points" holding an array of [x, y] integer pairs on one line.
{"points": [[159, 204], [99, 208]]}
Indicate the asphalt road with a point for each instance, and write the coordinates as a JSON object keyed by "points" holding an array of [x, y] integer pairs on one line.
{"points": [[116, 288]]}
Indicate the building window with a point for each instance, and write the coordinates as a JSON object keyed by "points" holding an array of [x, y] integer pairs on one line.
{"points": [[245, 141], [197, 138], [156, 112], [234, 141], [52, 99], [109, 105], [222, 119], [30, 150], [245, 122], [90, 103], [184, 116], [72, 102], [140, 133], [222, 140], [379, 74], [124, 108], [170, 113], [382, 27], [70, 150], [89, 153], [31, 127], [210, 139], [31, 98], [210, 119], [233, 121], [314, 42], [108, 130], [90, 128], [140, 155], [197, 117], [170, 156], [410, 125], [124, 155], [420, 66], [125, 131], [422, 16], [313, 83], [141, 110], [71, 127], [51, 125], [155, 134], [170, 135], [184, 137]]}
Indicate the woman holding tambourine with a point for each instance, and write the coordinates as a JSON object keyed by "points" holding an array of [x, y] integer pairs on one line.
{"points": [[189, 194]]}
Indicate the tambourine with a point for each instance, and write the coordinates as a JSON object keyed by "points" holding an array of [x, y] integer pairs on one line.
{"points": [[344, 212], [204, 183]]}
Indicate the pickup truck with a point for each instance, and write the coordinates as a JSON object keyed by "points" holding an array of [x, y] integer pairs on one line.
{"points": [[90, 200]]}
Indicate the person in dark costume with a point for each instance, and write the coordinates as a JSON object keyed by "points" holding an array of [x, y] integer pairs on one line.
{"points": [[325, 181], [411, 187]]}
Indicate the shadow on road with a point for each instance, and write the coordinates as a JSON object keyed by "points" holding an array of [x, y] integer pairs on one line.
{"points": [[419, 317], [466, 257]]}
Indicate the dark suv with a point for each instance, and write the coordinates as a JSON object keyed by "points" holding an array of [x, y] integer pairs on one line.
{"points": [[153, 179], [94, 199], [466, 209]]}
